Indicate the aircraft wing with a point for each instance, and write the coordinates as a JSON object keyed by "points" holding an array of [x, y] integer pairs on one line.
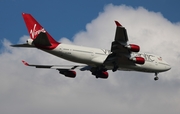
{"points": [[121, 33], [118, 49], [121, 50], [120, 41], [66, 70], [58, 67]]}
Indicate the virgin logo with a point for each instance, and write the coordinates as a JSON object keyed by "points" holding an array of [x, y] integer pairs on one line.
{"points": [[35, 32]]}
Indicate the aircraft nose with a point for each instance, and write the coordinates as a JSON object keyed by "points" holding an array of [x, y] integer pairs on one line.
{"points": [[168, 67]]}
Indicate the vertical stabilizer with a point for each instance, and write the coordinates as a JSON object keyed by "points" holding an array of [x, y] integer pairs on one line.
{"points": [[41, 38]]}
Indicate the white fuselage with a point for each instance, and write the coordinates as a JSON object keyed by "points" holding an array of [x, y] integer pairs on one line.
{"points": [[95, 57]]}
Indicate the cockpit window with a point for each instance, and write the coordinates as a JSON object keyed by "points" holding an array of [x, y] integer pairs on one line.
{"points": [[160, 58]]}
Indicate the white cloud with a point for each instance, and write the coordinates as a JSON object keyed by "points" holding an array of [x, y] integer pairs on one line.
{"points": [[29, 90]]}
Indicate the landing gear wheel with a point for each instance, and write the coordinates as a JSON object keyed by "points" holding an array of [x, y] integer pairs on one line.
{"points": [[156, 78]]}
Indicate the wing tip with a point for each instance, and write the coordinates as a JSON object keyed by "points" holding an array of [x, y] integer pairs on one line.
{"points": [[25, 63], [118, 24]]}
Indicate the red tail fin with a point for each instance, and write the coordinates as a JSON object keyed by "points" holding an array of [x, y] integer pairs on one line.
{"points": [[39, 35]]}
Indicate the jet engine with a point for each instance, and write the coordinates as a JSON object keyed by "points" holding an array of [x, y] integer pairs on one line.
{"points": [[133, 47], [102, 74], [138, 60], [68, 73]]}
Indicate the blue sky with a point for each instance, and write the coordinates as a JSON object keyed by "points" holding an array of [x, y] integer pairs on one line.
{"points": [[65, 18]]}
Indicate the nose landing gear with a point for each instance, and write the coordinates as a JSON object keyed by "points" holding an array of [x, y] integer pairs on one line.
{"points": [[156, 77]]}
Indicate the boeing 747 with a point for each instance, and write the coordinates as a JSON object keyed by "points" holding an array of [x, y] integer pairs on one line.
{"points": [[121, 56]]}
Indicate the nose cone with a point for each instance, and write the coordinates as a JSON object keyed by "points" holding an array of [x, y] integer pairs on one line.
{"points": [[168, 67], [165, 66]]}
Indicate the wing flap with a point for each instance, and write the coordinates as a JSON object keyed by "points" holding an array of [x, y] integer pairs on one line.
{"points": [[117, 47]]}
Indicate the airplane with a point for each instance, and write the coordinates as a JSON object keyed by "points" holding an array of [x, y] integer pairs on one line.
{"points": [[122, 55]]}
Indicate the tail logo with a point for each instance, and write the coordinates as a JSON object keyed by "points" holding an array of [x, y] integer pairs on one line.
{"points": [[35, 32]]}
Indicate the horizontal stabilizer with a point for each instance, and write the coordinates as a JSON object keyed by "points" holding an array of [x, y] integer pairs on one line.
{"points": [[22, 45]]}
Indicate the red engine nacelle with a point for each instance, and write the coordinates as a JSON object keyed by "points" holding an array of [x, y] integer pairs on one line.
{"points": [[139, 60], [133, 47], [102, 74], [68, 73]]}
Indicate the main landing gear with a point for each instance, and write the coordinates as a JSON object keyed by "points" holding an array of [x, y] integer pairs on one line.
{"points": [[156, 77], [115, 68]]}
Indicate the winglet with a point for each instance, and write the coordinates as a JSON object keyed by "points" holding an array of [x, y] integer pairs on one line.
{"points": [[25, 63], [118, 24]]}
